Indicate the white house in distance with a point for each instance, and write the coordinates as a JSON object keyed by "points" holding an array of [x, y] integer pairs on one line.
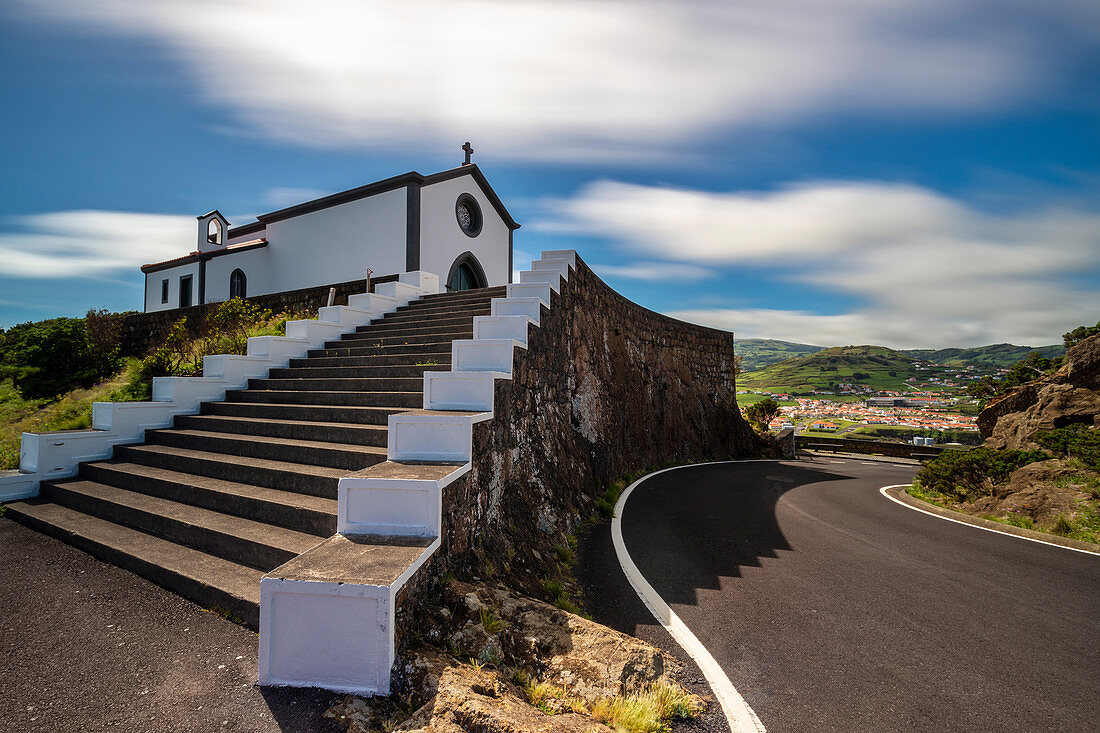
{"points": [[451, 224]]}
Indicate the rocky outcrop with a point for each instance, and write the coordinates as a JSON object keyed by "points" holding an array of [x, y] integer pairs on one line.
{"points": [[498, 645], [495, 626], [1069, 396]]}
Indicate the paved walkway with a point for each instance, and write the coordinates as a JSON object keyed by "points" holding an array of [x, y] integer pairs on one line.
{"points": [[87, 646]]}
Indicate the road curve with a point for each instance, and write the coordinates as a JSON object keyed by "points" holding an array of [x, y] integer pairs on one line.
{"points": [[831, 608]]}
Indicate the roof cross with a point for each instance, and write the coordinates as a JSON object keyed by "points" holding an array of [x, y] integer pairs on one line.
{"points": [[469, 151]]}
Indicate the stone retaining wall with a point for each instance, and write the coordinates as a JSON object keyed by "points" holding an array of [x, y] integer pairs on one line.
{"points": [[874, 447], [604, 388]]}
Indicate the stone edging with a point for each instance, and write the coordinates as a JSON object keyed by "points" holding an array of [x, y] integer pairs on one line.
{"points": [[903, 496]]}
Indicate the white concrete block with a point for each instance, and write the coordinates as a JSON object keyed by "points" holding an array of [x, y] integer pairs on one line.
{"points": [[542, 276], [436, 436], [561, 254], [57, 455], [392, 506], [502, 327], [234, 369], [16, 485], [315, 332], [559, 266], [127, 422], [427, 282], [460, 390], [530, 307], [530, 290], [338, 636], [186, 393], [347, 316], [473, 355], [399, 291], [375, 302], [278, 350]]}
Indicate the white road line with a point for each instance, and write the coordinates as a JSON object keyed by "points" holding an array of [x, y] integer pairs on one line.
{"points": [[739, 715], [976, 526]]}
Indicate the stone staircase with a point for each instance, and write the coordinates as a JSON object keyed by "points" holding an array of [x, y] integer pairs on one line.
{"points": [[207, 507]]}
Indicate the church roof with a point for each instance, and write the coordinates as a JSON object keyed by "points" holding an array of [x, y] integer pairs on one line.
{"points": [[371, 189], [196, 256]]}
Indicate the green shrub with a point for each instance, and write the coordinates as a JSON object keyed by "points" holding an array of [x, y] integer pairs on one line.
{"points": [[964, 475], [47, 358], [1075, 441]]}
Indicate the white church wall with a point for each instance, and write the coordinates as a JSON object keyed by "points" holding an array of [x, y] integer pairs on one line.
{"points": [[153, 282], [442, 240], [336, 244], [255, 264]]}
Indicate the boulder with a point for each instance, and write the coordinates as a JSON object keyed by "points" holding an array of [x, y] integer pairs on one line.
{"points": [[1071, 395]]}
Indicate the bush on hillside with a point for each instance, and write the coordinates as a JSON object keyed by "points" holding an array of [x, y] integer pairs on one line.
{"points": [[45, 359], [224, 331], [965, 475], [1075, 441]]}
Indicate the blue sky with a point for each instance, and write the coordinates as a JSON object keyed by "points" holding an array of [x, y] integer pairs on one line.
{"points": [[914, 174]]}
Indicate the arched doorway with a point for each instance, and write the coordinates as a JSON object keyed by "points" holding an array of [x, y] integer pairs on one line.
{"points": [[466, 274]]}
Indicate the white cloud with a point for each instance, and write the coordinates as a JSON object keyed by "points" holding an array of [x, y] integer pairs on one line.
{"points": [[925, 269], [583, 79], [656, 271], [68, 244], [281, 197]]}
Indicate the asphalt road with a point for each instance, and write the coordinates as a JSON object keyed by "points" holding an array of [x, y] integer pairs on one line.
{"points": [[831, 608], [86, 646]]}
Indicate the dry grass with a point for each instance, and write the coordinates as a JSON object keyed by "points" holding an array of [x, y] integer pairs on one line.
{"points": [[648, 711]]}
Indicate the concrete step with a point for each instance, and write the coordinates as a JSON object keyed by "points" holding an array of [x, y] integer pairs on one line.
{"points": [[271, 474], [328, 432], [347, 384], [210, 581], [435, 313], [310, 413], [439, 357], [258, 545], [404, 336], [311, 514], [343, 398], [493, 292], [310, 452], [339, 372], [408, 324], [393, 349]]}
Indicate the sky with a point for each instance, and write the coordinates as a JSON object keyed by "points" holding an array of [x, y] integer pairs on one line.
{"points": [[910, 173]]}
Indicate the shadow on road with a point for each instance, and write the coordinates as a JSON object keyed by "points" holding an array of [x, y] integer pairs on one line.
{"points": [[689, 550]]}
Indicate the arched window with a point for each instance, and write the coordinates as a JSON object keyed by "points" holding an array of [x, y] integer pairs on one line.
{"points": [[214, 232], [237, 284], [466, 274]]}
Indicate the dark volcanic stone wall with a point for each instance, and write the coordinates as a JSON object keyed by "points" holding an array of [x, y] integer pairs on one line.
{"points": [[605, 388]]}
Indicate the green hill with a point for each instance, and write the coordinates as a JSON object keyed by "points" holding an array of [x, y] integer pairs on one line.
{"points": [[759, 353], [995, 356], [874, 366]]}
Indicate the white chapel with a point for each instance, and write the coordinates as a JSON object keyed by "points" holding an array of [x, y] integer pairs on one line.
{"points": [[450, 223]]}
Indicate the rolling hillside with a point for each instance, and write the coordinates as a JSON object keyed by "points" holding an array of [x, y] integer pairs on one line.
{"points": [[759, 353], [995, 356], [875, 366]]}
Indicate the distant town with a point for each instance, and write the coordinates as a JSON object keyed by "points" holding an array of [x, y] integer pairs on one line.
{"points": [[932, 403]]}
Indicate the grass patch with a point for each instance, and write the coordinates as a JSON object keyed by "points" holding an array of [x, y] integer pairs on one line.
{"points": [[489, 621], [649, 711], [70, 411]]}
